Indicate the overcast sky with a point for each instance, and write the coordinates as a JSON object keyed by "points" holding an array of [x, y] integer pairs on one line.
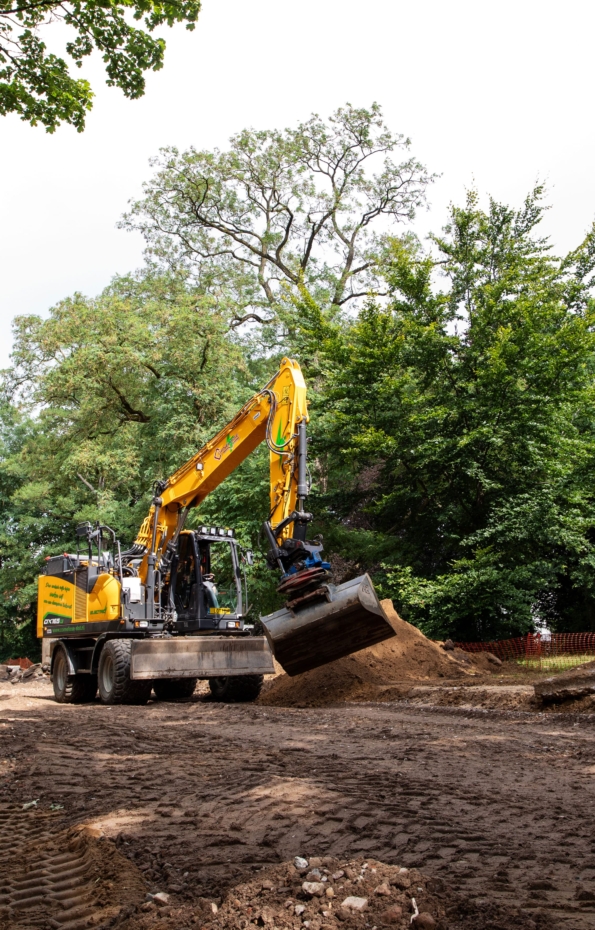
{"points": [[492, 94]]}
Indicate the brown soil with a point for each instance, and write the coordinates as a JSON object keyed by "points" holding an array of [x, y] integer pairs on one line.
{"points": [[203, 801], [72, 878], [378, 673], [394, 897]]}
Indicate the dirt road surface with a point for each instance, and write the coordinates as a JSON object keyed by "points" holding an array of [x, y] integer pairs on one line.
{"points": [[495, 805]]}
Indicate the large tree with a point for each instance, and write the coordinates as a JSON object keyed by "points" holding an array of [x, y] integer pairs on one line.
{"points": [[283, 215], [37, 84], [457, 428], [107, 395]]}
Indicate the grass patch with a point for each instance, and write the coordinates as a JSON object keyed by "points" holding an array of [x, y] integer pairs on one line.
{"points": [[554, 663]]}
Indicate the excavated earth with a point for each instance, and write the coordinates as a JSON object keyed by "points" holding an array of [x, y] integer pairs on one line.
{"points": [[456, 797]]}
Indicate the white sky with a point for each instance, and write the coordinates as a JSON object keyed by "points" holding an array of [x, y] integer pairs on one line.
{"points": [[498, 94]]}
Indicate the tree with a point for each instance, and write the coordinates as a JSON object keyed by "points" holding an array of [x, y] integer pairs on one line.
{"points": [[109, 395], [458, 427], [20, 541], [38, 85], [283, 215]]}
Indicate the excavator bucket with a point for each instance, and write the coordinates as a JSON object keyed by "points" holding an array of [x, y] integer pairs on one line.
{"points": [[348, 619]]}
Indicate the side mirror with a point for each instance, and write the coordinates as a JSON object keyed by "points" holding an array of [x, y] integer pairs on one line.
{"points": [[249, 556]]}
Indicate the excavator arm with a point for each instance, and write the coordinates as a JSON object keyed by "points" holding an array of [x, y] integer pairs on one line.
{"points": [[320, 621], [278, 415]]}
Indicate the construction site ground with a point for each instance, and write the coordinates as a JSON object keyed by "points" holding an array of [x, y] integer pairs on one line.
{"points": [[485, 799]]}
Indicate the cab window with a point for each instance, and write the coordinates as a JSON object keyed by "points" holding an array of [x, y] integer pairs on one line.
{"points": [[223, 576]]}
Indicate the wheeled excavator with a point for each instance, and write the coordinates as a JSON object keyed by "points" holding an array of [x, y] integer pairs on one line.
{"points": [[172, 608]]}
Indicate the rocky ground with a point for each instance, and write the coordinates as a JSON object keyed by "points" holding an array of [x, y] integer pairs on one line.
{"points": [[488, 807]]}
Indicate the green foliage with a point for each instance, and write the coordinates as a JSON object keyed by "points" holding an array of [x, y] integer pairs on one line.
{"points": [[283, 214], [37, 84], [451, 388], [120, 390], [458, 424], [20, 541]]}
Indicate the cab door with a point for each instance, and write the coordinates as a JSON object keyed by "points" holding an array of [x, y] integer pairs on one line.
{"points": [[186, 580]]}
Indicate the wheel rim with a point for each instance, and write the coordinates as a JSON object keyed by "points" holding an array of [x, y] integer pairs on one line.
{"points": [[60, 672], [107, 673]]}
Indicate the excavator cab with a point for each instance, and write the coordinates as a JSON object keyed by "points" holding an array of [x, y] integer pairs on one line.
{"points": [[207, 582]]}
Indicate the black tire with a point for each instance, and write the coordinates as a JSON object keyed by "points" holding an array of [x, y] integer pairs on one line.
{"points": [[173, 689], [71, 689], [113, 674], [236, 688]]}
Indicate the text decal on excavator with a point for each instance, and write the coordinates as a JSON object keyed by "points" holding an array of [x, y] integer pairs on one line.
{"points": [[229, 441]]}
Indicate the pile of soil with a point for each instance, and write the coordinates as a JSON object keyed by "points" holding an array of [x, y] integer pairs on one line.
{"points": [[328, 894], [378, 673]]}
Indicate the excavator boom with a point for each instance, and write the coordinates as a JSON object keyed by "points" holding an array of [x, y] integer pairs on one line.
{"points": [[146, 601], [320, 621]]}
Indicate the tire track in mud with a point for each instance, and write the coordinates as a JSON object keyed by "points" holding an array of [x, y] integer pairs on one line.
{"points": [[52, 877], [198, 794]]}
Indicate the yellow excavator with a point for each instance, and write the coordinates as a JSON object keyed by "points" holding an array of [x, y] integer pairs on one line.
{"points": [[171, 609]]}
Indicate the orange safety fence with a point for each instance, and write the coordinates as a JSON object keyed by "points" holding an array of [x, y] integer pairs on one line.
{"points": [[537, 646], [22, 663]]}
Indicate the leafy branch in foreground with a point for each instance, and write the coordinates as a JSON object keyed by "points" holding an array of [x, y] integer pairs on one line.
{"points": [[37, 84]]}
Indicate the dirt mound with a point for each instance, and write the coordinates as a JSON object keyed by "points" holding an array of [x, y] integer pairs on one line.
{"points": [[328, 894], [376, 673], [325, 893]]}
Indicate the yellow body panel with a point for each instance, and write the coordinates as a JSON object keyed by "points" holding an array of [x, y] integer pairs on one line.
{"points": [[55, 602], [64, 608], [103, 603]]}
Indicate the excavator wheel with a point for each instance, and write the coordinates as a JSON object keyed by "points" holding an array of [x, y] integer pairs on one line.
{"points": [[172, 689], [238, 688], [71, 689], [113, 674]]}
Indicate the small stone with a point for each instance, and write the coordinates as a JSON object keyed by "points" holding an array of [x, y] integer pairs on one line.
{"points": [[423, 921], [338, 875], [401, 881], [268, 886], [214, 907], [329, 892], [393, 915], [147, 906], [299, 910], [353, 903], [161, 898], [300, 864], [314, 889], [384, 888], [314, 876], [315, 862]]}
